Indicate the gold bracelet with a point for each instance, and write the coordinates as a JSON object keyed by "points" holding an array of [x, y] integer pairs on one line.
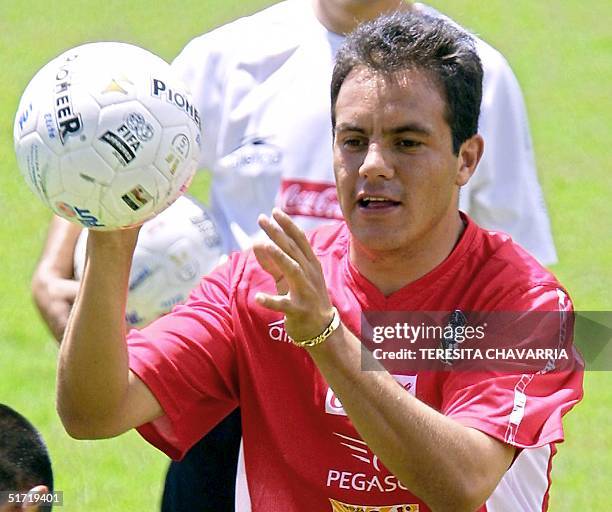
{"points": [[333, 325]]}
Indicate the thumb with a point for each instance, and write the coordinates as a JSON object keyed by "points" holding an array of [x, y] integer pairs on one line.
{"points": [[68, 289]]}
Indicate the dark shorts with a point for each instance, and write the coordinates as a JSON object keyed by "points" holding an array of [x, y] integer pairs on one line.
{"points": [[205, 480]]}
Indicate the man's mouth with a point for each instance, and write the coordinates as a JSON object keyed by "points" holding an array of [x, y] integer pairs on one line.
{"points": [[376, 202]]}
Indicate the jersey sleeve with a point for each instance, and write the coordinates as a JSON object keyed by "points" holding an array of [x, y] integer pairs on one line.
{"points": [[187, 360], [523, 409], [504, 193], [200, 65]]}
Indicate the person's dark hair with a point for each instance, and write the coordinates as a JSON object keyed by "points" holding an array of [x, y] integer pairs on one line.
{"points": [[405, 40], [24, 459]]}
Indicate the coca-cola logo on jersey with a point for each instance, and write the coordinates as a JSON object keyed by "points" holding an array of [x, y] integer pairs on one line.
{"points": [[311, 199], [334, 406]]}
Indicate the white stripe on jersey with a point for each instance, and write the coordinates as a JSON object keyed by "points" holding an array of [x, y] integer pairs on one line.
{"points": [[525, 484], [518, 409], [243, 498]]}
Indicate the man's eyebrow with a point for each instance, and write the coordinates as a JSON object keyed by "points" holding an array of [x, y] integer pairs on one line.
{"points": [[410, 128], [347, 127], [405, 128]]}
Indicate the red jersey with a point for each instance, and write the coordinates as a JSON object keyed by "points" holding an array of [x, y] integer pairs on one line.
{"points": [[221, 350]]}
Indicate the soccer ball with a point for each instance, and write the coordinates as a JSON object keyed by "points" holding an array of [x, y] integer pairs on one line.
{"points": [[174, 250], [106, 136]]}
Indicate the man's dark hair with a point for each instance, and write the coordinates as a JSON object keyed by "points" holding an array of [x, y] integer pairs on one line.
{"points": [[24, 459], [404, 41]]}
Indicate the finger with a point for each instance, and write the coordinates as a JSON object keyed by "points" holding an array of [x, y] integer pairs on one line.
{"points": [[288, 267], [294, 232], [278, 265], [280, 303], [266, 261], [67, 289], [281, 239], [64, 289], [302, 281]]}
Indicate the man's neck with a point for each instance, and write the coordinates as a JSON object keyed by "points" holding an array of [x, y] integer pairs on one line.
{"points": [[342, 18], [390, 271]]}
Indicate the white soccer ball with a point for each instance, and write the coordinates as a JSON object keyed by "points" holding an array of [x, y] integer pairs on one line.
{"points": [[106, 136], [174, 250]]}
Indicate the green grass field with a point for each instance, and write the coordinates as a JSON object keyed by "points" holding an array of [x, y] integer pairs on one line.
{"points": [[561, 52]]}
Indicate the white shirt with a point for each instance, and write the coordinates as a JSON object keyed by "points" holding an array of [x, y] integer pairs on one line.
{"points": [[261, 84]]}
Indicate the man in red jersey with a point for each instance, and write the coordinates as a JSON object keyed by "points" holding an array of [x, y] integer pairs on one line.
{"points": [[276, 330]]}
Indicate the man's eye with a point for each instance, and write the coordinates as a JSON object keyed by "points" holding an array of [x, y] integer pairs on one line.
{"points": [[409, 143], [353, 143]]}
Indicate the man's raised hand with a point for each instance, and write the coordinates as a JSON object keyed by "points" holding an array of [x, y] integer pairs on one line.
{"points": [[301, 290]]}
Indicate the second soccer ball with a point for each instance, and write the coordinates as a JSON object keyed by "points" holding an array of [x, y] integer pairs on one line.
{"points": [[174, 250]]}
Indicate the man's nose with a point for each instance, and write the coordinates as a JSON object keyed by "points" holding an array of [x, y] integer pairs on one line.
{"points": [[376, 164]]}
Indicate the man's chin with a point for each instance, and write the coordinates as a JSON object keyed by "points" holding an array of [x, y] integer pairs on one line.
{"points": [[374, 240]]}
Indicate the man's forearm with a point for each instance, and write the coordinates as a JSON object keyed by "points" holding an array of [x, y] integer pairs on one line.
{"points": [[446, 464], [93, 364], [53, 286]]}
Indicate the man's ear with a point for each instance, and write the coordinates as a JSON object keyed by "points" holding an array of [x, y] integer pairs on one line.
{"points": [[470, 153], [31, 504]]}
